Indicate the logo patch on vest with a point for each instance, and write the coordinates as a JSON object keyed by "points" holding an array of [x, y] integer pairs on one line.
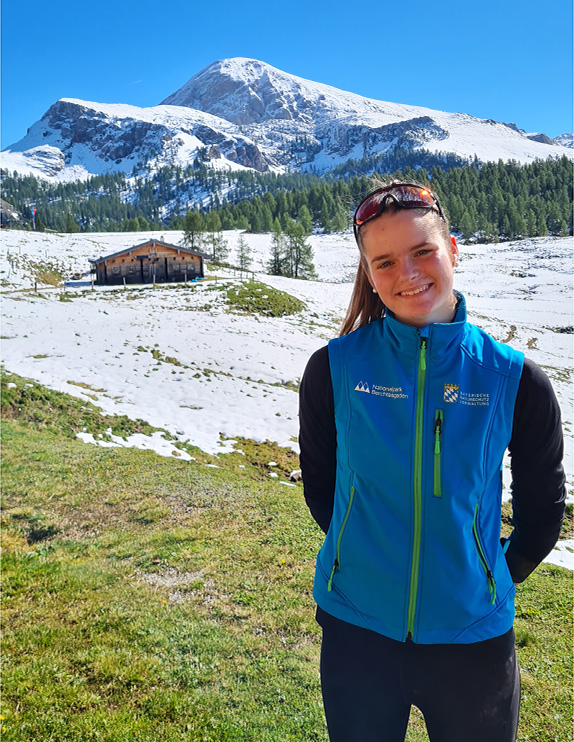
{"points": [[393, 392], [451, 392], [362, 386]]}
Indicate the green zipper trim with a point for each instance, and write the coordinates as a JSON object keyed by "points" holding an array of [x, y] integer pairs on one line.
{"points": [[336, 563], [417, 489], [482, 558], [438, 422]]}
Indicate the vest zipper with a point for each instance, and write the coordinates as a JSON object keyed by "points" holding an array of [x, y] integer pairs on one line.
{"points": [[482, 558], [336, 563], [438, 421], [417, 489]]}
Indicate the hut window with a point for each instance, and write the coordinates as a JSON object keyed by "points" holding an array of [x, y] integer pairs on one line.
{"points": [[116, 269]]}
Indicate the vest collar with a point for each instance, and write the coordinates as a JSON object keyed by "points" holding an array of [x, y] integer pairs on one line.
{"points": [[441, 335]]}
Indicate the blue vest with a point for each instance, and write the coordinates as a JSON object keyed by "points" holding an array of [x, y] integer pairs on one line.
{"points": [[423, 418]]}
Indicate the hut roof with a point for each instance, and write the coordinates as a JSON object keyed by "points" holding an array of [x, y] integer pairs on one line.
{"points": [[149, 242]]}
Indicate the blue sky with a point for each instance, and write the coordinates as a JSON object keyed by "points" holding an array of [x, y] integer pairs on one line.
{"points": [[500, 59]]}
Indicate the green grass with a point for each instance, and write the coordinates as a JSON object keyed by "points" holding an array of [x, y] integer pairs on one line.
{"points": [[253, 297], [48, 272], [57, 412], [148, 598]]}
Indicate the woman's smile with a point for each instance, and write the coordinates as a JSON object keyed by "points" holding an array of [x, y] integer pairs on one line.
{"points": [[415, 292]]}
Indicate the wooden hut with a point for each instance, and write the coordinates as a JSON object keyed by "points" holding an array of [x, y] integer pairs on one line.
{"points": [[151, 262]]}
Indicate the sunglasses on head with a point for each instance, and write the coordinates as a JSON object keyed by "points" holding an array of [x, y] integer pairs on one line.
{"points": [[406, 195]]}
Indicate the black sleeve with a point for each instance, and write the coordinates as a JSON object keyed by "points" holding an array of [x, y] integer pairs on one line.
{"points": [[318, 438], [538, 481]]}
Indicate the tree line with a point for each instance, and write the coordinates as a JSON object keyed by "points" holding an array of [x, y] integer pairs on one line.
{"points": [[485, 201]]}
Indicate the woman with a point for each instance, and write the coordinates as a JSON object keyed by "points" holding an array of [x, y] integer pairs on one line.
{"points": [[405, 419]]}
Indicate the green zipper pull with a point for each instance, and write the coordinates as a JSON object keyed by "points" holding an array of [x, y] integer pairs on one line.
{"points": [[423, 359], [330, 583], [437, 488], [491, 587]]}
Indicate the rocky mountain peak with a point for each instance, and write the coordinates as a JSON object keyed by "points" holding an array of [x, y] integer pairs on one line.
{"points": [[247, 91]]}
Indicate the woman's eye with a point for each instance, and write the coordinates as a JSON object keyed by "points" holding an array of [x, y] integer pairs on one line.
{"points": [[385, 264]]}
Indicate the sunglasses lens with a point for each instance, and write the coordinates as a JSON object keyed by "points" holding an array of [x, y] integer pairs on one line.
{"points": [[413, 196], [369, 208], [409, 197]]}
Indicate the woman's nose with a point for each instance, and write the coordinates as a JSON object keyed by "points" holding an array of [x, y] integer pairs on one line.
{"points": [[407, 268]]}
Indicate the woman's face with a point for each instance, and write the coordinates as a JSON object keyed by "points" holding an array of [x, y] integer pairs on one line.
{"points": [[410, 264]]}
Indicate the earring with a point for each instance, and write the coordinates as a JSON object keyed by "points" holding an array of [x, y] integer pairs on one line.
{"points": [[374, 291]]}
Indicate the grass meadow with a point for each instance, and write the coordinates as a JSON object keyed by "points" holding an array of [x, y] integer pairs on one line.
{"points": [[153, 599]]}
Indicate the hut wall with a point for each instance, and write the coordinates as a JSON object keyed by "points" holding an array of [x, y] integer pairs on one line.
{"points": [[149, 263]]}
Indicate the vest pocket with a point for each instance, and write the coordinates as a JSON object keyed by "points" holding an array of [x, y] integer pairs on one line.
{"points": [[337, 562], [438, 423], [482, 558]]}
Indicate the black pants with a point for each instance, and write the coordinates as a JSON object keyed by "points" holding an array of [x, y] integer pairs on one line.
{"points": [[466, 692]]}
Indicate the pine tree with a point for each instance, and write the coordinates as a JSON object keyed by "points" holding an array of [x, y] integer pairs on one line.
{"points": [[244, 253], [304, 219], [467, 225], [257, 221], [531, 229], [193, 230], [215, 239], [276, 261], [39, 224], [506, 228], [266, 218], [542, 227], [325, 217], [71, 225], [298, 253], [340, 220]]}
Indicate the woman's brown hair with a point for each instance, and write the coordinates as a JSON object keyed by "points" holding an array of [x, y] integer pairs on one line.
{"points": [[365, 305]]}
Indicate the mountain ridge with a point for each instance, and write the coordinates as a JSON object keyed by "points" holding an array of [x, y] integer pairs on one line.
{"points": [[244, 113]]}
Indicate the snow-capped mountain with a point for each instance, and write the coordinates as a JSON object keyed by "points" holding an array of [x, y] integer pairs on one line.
{"points": [[77, 138], [566, 140], [244, 113]]}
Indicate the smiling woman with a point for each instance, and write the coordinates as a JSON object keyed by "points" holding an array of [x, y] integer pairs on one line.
{"points": [[405, 419]]}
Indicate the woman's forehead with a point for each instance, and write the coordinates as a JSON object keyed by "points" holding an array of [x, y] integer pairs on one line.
{"points": [[400, 227]]}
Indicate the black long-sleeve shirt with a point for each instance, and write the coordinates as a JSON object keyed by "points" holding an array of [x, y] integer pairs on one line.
{"points": [[536, 449]]}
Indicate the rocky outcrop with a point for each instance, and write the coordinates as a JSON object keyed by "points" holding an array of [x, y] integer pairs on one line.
{"points": [[48, 159], [542, 138], [113, 135]]}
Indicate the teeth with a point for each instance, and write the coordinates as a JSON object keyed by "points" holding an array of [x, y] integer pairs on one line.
{"points": [[417, 291]]}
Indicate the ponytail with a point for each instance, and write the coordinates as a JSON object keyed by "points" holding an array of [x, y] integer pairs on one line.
{"points": [[365, 306]]}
